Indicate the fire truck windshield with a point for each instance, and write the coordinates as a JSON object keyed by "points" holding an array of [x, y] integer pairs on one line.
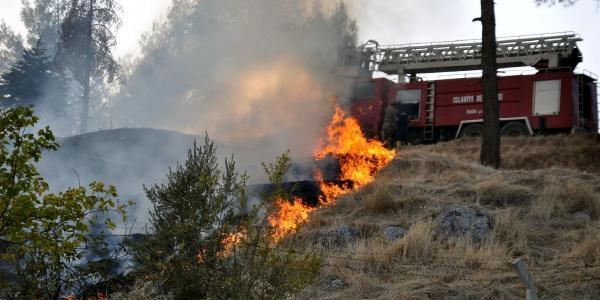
{"points": [[363, 91]]}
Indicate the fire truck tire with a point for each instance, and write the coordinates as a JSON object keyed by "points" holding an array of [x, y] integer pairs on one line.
{"points": [[473, 130], [514, 129]]}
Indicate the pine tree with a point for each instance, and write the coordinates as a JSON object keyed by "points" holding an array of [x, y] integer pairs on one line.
{"points": [[11, 46], [35, 80], [85, 45]]}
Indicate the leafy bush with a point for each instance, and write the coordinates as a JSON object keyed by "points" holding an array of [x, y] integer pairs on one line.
{"points": [[43, 233]]}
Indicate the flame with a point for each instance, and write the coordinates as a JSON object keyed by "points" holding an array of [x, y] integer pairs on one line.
{"points": [[330, 191], [288, 217], [230, 241], [360, 159]]}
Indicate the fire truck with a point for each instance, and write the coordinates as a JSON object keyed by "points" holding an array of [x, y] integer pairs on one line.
{"points": [[554, 98]]}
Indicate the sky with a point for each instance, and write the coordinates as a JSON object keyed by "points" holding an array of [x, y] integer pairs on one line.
{"points": [[402, 21], [397, 21], [136, 20]]}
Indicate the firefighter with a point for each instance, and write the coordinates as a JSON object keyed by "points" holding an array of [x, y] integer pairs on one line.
{"points": [[388, 128], [402, 128]]}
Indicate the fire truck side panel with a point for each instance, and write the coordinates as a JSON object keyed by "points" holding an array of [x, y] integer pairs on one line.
{"points": [[549, 101], [460, 100], [563, 118]]}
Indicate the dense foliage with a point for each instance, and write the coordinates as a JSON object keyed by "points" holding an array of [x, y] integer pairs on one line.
{"points": [[44, 235]]}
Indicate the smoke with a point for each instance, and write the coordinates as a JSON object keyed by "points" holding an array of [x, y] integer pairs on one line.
{"points": [[257, 76], [399, 22]]}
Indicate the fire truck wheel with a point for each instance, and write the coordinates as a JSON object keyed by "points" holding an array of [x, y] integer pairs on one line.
{"points": [[473, 130], [514, 129]]}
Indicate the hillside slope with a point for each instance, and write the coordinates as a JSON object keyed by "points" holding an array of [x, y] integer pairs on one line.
{"points": [[544, 205]]}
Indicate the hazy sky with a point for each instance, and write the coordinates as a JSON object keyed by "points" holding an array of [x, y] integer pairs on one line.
{"points": [[402, 21]]}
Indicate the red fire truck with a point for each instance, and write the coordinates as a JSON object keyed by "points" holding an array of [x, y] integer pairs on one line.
{"points": [[555, 99]]}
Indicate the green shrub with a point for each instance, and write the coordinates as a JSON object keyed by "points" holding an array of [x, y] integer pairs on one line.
{"points": [[195, 218]]}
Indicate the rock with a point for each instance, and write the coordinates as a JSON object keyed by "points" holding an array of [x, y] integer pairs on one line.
{"points": [[336, 283], [393, 233], [339, 237], [581, 218], [463, 221]]}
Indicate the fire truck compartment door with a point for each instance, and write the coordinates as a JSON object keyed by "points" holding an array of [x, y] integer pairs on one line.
{"points": [[546, 97]]}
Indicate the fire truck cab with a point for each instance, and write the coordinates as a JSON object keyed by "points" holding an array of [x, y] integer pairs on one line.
{"points": [[554, 99]]}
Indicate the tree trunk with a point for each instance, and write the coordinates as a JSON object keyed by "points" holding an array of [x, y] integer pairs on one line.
{"points": [[87, 69], [85, 106], [490, 146]]}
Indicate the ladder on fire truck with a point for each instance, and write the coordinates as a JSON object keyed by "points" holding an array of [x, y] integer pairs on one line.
{"points": [[545, 51], [428, 130]]}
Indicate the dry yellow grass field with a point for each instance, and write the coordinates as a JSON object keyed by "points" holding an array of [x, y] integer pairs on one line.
{"points": [[543, 204]]}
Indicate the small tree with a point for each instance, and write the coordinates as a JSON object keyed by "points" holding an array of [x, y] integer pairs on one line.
{"points": [[43, 233], [206, 243]]}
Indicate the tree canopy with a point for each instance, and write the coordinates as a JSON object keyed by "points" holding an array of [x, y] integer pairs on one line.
{"points": [[42, 19], [11, 46], [85, 45]]}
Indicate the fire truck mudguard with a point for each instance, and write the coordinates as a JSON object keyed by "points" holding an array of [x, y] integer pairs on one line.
{"points": [[509, 125]]}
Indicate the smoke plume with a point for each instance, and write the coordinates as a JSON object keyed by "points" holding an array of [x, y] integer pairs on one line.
{"points": [[256, 75]]}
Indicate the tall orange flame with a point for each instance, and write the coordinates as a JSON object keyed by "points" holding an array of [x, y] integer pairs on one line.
{"points": [[360, 159], [288, 217]]}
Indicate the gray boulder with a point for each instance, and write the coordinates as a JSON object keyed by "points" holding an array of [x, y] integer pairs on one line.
{"points": [[393, 233], [337, 284], [339, 237], [464, 221]]}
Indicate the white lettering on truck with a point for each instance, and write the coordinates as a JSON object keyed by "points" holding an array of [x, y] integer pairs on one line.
{"points": [[472, 99]]}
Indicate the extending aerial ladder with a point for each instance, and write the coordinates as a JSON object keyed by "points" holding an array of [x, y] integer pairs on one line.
{"points": [[556, 50]]}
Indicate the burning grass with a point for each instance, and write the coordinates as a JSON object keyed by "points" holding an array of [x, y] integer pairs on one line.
{"points": [[359, 160], [547, 213], [288, 217]]}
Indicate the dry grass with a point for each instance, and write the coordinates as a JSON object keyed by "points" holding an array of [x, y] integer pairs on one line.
{"points": [[381, 200], [538, 152], [498, 192], [587, 250], [418, 242], [544, 205]]}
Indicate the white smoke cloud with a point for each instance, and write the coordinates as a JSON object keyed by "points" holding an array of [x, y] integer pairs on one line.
{"points": [[257, 76]]}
